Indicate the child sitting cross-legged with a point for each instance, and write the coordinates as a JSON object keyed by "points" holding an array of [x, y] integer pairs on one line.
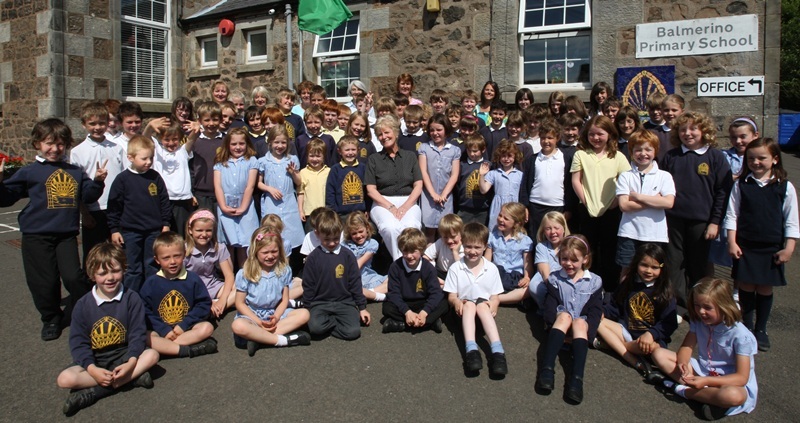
{"points": [[116, 354], [415, 298], [177, 303]]}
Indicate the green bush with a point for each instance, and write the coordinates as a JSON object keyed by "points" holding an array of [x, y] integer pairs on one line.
{"points": [[790, 55]]}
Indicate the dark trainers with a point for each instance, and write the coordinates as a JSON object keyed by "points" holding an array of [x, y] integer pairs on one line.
{"points": [[51, 331], [436, 326], [79, 400], [252, 347], [712, 412], [574, 392], [298, 338], [209, 346], [391, 325], [473, 361], [144, 381], [498, 364], [546, 380], [763, 340]]}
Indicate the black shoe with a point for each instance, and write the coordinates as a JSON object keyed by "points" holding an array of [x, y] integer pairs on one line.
{"points": [[252, 347], [574, 392], [209, 346], [763, 340], [655, 377], [712, 412], [298, 338], [79, 400], [546, 380], [651, 376], [144, 381], [298, 303], [436, 326], [498, 364], [391, 325], [473, 361], [51, 331]]}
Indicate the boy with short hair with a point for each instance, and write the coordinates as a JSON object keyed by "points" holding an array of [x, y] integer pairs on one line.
{"points": [[439, 100], [448, 249], [546, 180], [304, 92], [107, 359], [496, 130], [473, 206], [318, 95], [535, 115], [611, 107], [113, 128], [344, 117], [313, 179], [130, 117], [657, 124], [332, 284], [176, 303], [412, 135], [468, 102], [414, 299], [50, 222], [571, 125], [285, 101], [205, 150], [172, 163], [330, 120], [344, 192], [313, 118], [473, 285], [401, 102], [94, 152], [138, 210]]}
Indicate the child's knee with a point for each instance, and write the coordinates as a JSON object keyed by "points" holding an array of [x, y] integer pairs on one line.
{"points": [[240, 326], [733, 396], [67, 378], [349, 332], [204, 329]]}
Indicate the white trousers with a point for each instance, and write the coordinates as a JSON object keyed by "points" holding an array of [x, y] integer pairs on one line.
{"points": [[390, 227]]}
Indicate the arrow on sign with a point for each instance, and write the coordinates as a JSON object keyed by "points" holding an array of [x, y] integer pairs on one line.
{"points": [[753, 81]]}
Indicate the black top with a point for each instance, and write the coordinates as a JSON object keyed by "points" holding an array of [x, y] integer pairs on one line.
{"points": [[329, 277], [422, 284], [138, 202], [393, 176], [55, 189], [703, 183], [641, 313], [760, 215]]}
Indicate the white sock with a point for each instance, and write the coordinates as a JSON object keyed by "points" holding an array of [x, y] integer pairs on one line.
{"points": [[292, 303], [379, 296], [679, 389], [282, 341]]}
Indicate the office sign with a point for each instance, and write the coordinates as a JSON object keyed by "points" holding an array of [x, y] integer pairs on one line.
{"points": [[730, 86], [730, 34]]}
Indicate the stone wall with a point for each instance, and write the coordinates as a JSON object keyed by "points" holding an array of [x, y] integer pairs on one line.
{"points": [[614, 46], [52, 59]]}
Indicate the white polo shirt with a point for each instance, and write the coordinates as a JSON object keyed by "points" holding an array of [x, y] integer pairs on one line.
{"points": [[548, 180], [461, 281], [649, 224]]}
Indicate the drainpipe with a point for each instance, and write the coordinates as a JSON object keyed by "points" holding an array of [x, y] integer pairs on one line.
{"points": [[289, 58]]}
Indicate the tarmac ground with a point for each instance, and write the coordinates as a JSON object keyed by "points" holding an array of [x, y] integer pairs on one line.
{"points": [[379, 377]]}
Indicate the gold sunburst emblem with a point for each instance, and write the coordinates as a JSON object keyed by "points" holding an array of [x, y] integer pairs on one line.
{"points": [[473, 183], [173, 308], [62, 190], [352, 189], [641, 312], [106, 332]]}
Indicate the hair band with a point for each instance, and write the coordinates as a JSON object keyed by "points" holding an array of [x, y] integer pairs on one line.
{"points": [[201, 214], [747, 120], [582, 242]]}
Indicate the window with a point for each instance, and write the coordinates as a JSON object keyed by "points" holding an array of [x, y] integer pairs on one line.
{"points": [[338, 61], [256, 46], [145, 49], [208, 52], [555, 43]]}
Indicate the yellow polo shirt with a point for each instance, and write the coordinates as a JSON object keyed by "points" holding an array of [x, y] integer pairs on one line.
{"points": [[599, 178]]}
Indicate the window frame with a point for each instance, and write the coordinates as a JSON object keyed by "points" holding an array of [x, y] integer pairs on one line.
{"points": [[587, 22], [249, 58], [153, 25], [339, 55], [203, 62], [554, 32]]}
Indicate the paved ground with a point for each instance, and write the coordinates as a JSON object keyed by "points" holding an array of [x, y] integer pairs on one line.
{"points": [[397, 377]]}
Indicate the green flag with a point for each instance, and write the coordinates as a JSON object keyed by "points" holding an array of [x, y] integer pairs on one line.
{"points": [[321, 16]]}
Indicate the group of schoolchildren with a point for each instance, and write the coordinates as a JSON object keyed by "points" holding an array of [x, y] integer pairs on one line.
{"points": [[637, 203]]}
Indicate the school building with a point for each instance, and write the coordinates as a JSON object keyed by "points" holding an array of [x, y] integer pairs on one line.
{"points": [[722, 56]]}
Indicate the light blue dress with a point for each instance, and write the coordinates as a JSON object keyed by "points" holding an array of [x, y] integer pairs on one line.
{"points": [[440, 167], [265, 296], [236, 231], [717, 348], [276, 176], [506, 190], [369, 277], [545, 253]]}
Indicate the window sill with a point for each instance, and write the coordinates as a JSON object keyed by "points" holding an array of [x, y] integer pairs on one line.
{"points": [[156, 107], [204, 73], [255, 67]]}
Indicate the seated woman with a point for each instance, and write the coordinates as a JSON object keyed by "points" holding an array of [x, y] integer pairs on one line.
{"points": [[394, 183]]}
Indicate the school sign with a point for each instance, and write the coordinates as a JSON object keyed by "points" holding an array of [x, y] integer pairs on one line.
{"points": [[730, 34]]}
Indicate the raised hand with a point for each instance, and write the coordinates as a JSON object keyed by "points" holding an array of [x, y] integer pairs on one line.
{"points": [[101, 173]]}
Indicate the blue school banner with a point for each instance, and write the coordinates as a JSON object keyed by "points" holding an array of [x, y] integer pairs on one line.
{"points": [[634, 85]]}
